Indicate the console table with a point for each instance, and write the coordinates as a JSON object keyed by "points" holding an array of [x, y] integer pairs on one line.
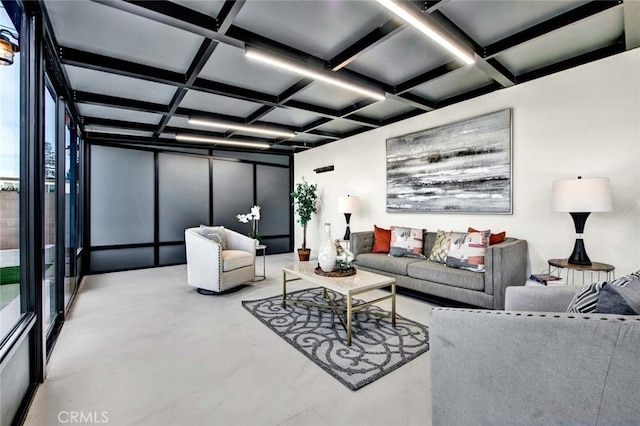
{"points": [[596, 268]]}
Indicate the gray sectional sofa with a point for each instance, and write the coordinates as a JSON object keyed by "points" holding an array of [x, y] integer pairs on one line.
{"points": [[505, 265], [534, 364]]}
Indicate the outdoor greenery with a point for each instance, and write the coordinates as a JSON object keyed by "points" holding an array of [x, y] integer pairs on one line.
{"points": [[9, 275], [304, 202]]}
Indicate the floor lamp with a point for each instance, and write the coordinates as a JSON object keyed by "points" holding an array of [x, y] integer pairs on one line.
{"points": [[581, 197], [348, 205]]}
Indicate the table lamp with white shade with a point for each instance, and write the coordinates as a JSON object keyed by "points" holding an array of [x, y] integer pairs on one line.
{"points": [[348, 205], [581, 197]]}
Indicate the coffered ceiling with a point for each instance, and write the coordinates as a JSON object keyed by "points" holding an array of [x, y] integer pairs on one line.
{"points": [[137, 70]]}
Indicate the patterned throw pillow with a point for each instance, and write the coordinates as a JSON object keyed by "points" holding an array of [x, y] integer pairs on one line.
{"points": [[467, 250], [406, 242], [586, 300], [214, 233], [440, 247], [493, 238]]}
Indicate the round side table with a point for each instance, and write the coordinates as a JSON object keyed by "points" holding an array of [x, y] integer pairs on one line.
{"points": [[595, 269], [264, 262]]}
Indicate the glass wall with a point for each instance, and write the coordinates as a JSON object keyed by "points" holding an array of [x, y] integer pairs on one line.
{"points": [[10, 300], [49, 161], [70, 208]]}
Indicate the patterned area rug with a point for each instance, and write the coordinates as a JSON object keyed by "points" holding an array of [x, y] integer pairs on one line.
{"points": [[376, 349]]}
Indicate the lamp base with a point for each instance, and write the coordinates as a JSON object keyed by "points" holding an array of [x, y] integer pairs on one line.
{"points": [[347, 233], [579, 255]]}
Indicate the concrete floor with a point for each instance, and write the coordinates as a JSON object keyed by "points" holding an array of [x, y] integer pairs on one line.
{"points": [[143, 348]]}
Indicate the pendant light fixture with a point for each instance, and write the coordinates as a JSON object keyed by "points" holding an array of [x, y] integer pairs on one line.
{"points": [[7, 47]]}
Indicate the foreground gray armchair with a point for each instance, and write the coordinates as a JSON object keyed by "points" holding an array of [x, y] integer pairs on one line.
{"points": [[533, 364]]}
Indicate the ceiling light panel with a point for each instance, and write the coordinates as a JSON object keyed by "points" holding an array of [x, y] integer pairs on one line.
{"points": [[585, 36], [408, 47], [229, 65], [339, 126], [301, 69], [105, 83], [422, 24], [116, 131], [221, 141], [207, 7], [90, 110], [319, 28], [202, 101], [383, 110], [253, 129], [97, 28], [327, 96], [289, 117], [456, 82], [484, 21]]}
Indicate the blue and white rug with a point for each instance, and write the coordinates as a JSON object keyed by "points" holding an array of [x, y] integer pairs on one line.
{"points": [[376, 349]]}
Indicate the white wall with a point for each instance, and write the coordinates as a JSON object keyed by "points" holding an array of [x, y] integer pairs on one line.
{"points": [[584, 121]]}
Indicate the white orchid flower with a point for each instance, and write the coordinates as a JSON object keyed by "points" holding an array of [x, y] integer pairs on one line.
{"points": [[255, 212]]}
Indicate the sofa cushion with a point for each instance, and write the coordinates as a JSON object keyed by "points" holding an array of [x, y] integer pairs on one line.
{"points": [[467, 250], [619, 300], [381, 240], [406, 242], [386, 263], [620, 296], [441, 247], [441, 274], [235, 259]]}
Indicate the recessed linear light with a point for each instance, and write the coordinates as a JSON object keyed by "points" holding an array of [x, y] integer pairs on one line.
{"points": [[221, 141], [432, 33], [242, 127], [306, 71]]}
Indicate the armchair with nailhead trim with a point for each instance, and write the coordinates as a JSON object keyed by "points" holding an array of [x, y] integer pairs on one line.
{"points": [[534, 364], [213, 270]]}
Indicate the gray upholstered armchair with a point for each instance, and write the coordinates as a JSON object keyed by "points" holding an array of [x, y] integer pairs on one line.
{"points": [[533, 364], [213, 270]]}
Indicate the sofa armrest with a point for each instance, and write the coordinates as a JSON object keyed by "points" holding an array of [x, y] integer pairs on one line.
{"points": [[505, 265], [237, 241], [203, 259], [361, 242], [539, 299], [500, 368]]}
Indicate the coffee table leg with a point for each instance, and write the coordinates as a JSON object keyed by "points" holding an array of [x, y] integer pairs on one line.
{"points": [[349, 320], [393, 304], [284, 289]]}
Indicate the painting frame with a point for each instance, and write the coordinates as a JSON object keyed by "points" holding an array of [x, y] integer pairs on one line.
{"points": [[463, 167]]}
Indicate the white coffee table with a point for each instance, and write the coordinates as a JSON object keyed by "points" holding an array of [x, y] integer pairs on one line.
{"points": [[359, 283]]}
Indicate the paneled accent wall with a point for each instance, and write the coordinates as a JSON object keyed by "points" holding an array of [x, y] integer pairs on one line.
{"points": [[142, 199]]}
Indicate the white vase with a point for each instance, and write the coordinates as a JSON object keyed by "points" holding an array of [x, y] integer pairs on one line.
{"points": [[327, 251]]}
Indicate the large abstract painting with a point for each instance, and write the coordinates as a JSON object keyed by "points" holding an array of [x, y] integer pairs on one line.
{"points": [[463, 167]]}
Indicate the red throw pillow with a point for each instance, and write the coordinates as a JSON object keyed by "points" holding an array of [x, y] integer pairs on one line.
{"points": [[494, 238], [381, 240]]}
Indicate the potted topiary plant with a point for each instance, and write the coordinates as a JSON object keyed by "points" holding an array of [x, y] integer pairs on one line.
{"points": [[304, 202]]}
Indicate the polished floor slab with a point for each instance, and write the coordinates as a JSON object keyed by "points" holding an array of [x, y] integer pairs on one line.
{"points": [[143, 348]]}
